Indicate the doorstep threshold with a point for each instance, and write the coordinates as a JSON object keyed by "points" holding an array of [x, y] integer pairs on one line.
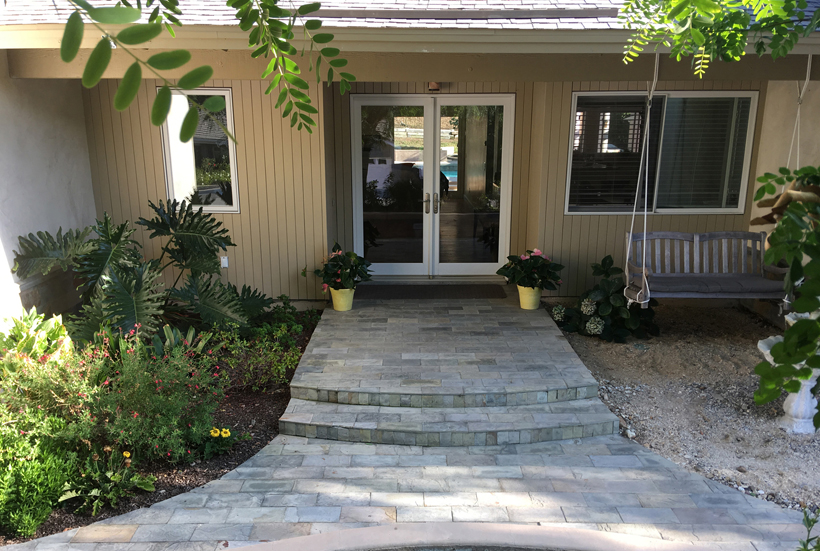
{"points": [[435, 280]]}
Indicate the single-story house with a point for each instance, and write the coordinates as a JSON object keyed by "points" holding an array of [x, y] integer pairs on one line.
{"points": [[474, 130]]}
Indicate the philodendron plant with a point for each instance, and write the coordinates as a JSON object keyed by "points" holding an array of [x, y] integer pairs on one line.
{"points": [[122, 289], [533, 269], [342, 270], [796, 239]]}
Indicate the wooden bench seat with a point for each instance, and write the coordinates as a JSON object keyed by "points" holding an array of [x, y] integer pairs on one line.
{"points": [[701, 265]]}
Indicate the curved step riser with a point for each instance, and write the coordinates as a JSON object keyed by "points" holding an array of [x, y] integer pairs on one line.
{"points": [[446, 438], [415, 400]]}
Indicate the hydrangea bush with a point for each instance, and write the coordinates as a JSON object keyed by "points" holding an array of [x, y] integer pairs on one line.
{"points": [[533, 269], [603, 312]]}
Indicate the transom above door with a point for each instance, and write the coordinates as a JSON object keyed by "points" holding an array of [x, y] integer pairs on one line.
{"points": [[432, 182]]}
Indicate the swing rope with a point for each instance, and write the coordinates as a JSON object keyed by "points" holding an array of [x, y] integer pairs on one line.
{"points": [[796, 132], [643, 167]]}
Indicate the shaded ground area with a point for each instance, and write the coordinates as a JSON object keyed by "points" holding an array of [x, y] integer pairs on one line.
{"points": [[688, 395]]}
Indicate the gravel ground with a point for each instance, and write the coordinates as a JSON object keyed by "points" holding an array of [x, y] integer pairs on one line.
{"points": [[688, 396]]}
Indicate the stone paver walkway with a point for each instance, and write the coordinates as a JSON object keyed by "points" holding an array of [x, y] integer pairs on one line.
{"points": [[379, 381]]}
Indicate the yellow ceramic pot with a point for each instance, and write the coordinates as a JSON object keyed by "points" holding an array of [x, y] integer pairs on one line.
{"points": [[529, 297], [342, 299]]}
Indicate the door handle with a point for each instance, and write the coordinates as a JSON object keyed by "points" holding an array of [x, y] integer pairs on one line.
{"points": [[426, 203], [435, 203]]}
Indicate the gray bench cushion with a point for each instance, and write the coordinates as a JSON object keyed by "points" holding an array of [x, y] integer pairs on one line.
{"points": [[712, 283]]}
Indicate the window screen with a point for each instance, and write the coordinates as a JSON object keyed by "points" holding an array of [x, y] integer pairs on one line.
{"points": [[606, 152], [703, 152]]}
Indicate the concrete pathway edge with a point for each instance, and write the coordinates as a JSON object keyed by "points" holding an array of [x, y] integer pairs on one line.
{"points": [[484, 536]]}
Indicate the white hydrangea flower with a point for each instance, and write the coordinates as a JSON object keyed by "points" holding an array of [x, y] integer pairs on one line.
{"points": [[595, 326], [588, 307]]}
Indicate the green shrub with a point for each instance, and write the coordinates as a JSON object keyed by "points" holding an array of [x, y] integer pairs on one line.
{"points": [[32, 337], [33, 470], [259, 361], [603, 311], [106, 477]]}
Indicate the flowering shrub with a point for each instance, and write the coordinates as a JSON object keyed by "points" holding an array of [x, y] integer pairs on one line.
{"points": [[533, 269], [342, 270], [220, 441], [105, 478], [603, 312], [260, 361], [31, 336]]}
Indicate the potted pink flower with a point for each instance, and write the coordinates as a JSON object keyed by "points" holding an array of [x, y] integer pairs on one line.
{"points": [[532, 272], [340, 274]]}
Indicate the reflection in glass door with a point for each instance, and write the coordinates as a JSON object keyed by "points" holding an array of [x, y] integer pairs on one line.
{"points": [[470, 172], [432, 183]]}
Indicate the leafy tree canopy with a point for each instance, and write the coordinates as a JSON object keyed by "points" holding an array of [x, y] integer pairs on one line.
{"points": [[270, 29], [709, 30]]}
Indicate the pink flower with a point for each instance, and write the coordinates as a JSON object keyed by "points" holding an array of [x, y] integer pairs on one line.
{"points": [[325, 287], [537, 252], [338, 281], [525, 257], [560, 282]]}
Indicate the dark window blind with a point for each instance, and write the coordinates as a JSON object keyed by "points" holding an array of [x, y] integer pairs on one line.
{"points": [[703, 151], [606, 152]]}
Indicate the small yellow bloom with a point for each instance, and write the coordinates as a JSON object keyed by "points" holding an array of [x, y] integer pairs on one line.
{"points": [[214, 432], [225, 433], [126, 454]]}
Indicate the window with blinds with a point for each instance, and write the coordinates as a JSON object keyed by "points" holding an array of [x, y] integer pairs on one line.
{"points": [[697, 152]]}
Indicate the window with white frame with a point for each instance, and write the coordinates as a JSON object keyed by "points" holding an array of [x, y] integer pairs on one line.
{"points": [[203, 170], [699, 152]]}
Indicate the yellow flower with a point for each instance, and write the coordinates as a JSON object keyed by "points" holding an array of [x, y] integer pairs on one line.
{"points": [[126, 454], [215, 432], [225, 433]]}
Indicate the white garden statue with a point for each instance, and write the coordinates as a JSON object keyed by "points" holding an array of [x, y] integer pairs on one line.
{"points": [[799, 407]]}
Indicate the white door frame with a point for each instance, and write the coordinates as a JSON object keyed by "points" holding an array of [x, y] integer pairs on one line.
{"points": [[432, 103]]}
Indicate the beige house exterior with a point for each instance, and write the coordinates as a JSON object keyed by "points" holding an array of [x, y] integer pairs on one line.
{"points": [[296, 191]]}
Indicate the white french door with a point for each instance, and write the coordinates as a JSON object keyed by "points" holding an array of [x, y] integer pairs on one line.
{"points": [[432, 182]]}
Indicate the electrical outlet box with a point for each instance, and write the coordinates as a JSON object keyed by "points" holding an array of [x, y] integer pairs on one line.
{"points": [[224, 261]]}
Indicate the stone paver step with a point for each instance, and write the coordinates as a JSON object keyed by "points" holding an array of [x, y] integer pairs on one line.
{"points": [[418, 393], [468, 426]]}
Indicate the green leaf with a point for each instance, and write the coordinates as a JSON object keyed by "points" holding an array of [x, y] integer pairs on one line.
{"points": [[215, 104], [196, 78], [806, 304], [283, 95], [42, 252], [134, 297], [309, 8], [97, 63], [313, 24], [139, 34], [254, 303], [291, 65], [112, 249], [338, 63], [305, 107], [161, 107], [189, 124], [166, 61], [129, 87], [296, 81], [72, 37], [698, 37], [195, 237], [211, 299], [114, 15], [348, 76], [605, 309], [330, 52], [322, 38]]}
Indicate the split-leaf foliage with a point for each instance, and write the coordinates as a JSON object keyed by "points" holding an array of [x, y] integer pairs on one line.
{"points": [[122, 290], [271, 35]]}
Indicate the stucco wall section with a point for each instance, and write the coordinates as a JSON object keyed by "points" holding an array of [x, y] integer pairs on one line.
{"points": [[779, 116], [45, 178]]}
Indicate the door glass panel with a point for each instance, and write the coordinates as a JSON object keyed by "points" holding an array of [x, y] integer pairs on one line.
{"points": [[393, 183], [470, 183]]}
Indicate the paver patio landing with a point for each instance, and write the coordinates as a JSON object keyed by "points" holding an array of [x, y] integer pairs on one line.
{"points": [[444, 411]]}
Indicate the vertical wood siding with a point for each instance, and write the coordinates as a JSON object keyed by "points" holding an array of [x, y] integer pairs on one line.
{"points": [[543, 123], [282, 225]]}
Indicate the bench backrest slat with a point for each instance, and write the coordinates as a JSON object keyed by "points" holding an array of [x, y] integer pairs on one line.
{"points": [[711, 252]]}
